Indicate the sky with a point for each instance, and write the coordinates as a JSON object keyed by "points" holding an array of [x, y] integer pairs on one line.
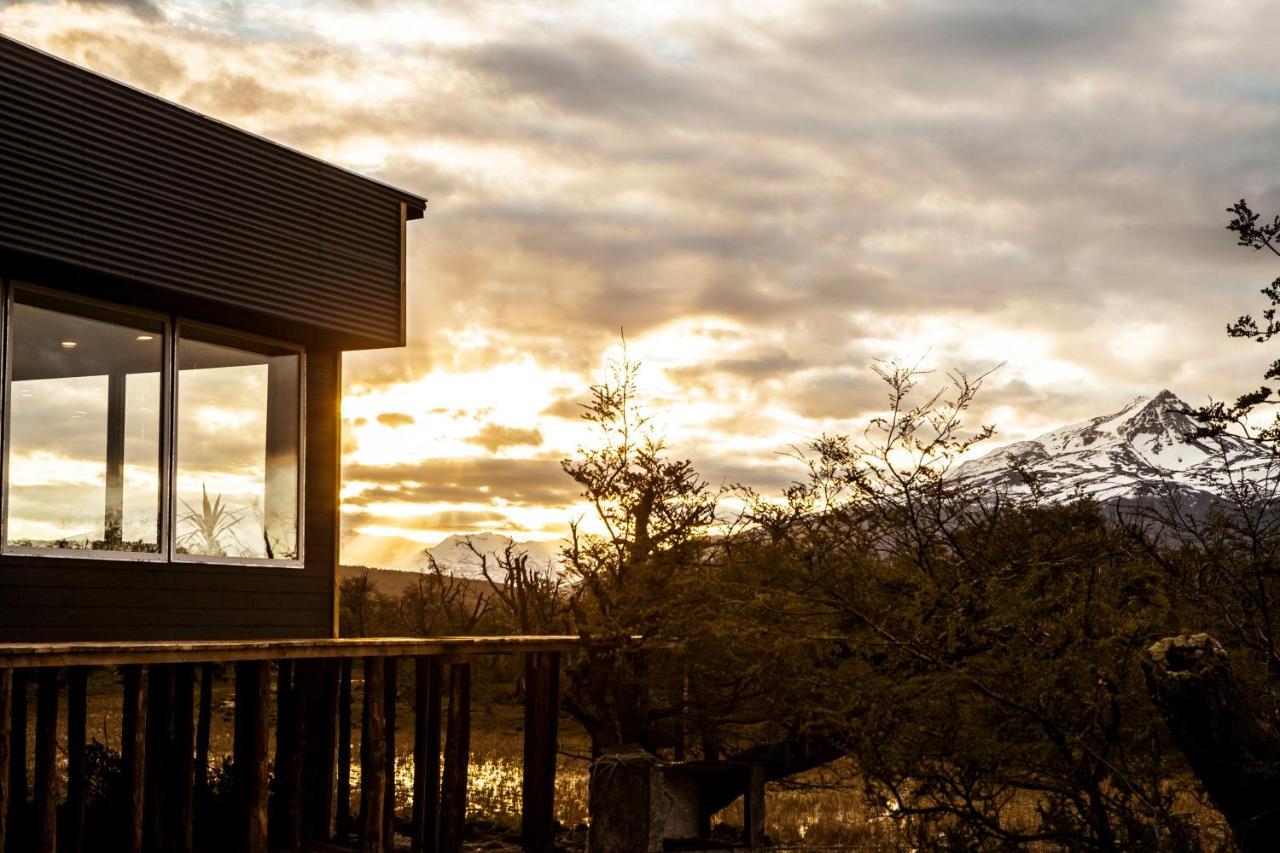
{"points": [[766, 196]]}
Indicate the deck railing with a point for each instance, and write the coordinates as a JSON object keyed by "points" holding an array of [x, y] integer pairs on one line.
{"points": [[165, 744]]}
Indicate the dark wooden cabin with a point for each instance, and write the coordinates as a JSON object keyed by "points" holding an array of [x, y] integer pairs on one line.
{"points": [[177, 296]]}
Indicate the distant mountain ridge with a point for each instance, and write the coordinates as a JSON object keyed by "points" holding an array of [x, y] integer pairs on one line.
{"points": [[397, 553], [1140, 451]]}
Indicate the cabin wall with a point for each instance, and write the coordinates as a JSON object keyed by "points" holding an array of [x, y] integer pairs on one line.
{"points": [[51, 599], [137, 190]]}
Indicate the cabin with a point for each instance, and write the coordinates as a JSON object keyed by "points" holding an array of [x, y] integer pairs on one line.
{"points": [[177, 297]]}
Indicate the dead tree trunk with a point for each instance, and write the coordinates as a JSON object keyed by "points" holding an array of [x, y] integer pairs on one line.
{"points": [[1234, 750]]}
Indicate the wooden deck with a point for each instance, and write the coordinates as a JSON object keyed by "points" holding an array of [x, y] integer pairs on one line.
{"points": [[165, 739]]}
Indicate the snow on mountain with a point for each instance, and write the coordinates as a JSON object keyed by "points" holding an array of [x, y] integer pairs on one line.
{"points": [[1142, 450]]}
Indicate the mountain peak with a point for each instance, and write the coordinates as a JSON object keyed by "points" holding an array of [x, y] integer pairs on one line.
{"points": [[1146, 445]]}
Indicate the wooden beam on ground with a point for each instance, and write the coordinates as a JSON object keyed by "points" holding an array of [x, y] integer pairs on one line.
{"points": [[390, 691], [457, 755], [426, 754], [18, 761], [541, 727], [373, 760], [183, 812], [77, 772], [251, 753], [133, 751], [46, 788], [6, 731], [342, 819]]}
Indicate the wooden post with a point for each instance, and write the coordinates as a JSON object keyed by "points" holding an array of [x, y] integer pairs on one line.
{"points": [[457, 753], [133, 753], [426, 754], [203, 721], [320, 687], [46, 790], [6, 731], [290, 729], [753, 807], [342, 820], [77, 711], [182, 797], [389, 689], [159, 734], [541, 725], [373, 760], [18, 761], [251, 752]]}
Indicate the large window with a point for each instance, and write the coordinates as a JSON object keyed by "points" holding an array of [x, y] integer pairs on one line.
{"points": [[238, 430], [123, 441]]}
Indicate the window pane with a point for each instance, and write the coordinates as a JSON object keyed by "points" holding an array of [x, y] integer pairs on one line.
{"points": [[84, 428], [237, 475]]}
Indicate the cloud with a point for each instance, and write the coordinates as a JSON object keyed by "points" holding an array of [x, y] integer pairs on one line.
{"points": [[145, 9], [528, 482], [495, 437], [395, 419]]}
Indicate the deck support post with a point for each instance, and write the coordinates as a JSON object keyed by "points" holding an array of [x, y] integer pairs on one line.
{"points": [[319, 686], [290, 706], [390, 690], [159, 734], [251, 753], [342, 819], [46, 789], [541, 727], [182, 795], [18, 761], [457, 753], [426, 754], [77, 775], [373, 759], [753, 807], [133, 752], [204, 719], [6, 731]]}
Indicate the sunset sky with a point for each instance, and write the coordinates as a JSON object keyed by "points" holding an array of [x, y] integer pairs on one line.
{"points": [[765, 195]]}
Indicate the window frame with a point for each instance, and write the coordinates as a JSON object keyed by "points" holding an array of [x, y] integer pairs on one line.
{"points": [[172, 325], [251, 341], [163, 536]]}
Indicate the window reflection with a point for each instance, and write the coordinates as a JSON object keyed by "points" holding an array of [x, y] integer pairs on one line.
{"points": [[237, 449], [84, 427]]}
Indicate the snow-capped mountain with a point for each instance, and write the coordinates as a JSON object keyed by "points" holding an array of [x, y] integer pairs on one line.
{"points": [[1140, 451], [452, 553]]}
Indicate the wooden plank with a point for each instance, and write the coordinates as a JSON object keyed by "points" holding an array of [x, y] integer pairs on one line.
{"points": [[342, 820], [251, 753], [77, 775], [390, 691], [159, 754], [46, 787], [320, 683], [457, 755], [426, 754], [133, 751], [18, 759], [219, 651], [541, 724], [290, 727], [183, 813], [6, 732], [373, 767], [204, 720]]}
